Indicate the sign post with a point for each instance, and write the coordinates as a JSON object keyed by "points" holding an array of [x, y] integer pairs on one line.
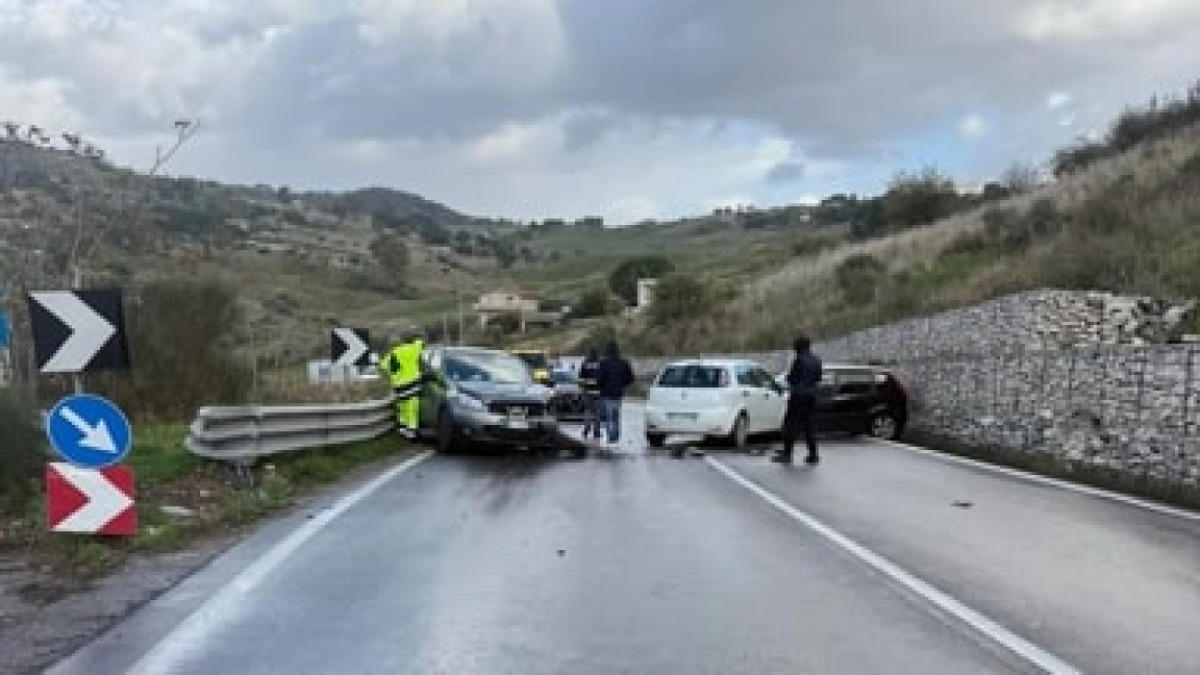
{"points": [[6, 369]]}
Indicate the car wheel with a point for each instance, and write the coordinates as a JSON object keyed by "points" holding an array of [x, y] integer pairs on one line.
{"points": [[448, 441], [655, 440], [738, 436], [884, 425]]}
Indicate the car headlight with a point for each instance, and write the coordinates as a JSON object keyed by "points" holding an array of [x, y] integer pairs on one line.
{"points": [[464, 400]]}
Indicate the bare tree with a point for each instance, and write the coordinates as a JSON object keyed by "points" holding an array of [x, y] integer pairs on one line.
{"points": [[83, 246], [1021, 178]]}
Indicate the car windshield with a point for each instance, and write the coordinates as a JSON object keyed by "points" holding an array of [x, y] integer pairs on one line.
{"points": [[483, 366], [693, 377]]}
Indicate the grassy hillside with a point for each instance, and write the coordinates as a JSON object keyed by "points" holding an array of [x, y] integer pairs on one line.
{"points": [[1126, 221], [1122, 215], [303, 263]]}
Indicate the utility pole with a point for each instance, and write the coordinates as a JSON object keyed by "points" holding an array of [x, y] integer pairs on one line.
{"points": [[458, 303]]}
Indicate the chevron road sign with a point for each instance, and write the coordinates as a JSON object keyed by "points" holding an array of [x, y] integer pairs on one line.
{"points": [[85, 501], [351, 347], [74, 331]]}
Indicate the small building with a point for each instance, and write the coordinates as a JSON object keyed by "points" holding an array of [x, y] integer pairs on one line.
{"points": [[498, 303], [645, 293]]}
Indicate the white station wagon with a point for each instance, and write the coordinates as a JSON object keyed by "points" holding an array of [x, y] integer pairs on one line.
{"points": [[726, 399]]}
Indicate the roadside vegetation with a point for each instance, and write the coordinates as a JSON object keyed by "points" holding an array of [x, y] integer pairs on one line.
{"points": [[1122, 215], [183, 335], [180, 499]]}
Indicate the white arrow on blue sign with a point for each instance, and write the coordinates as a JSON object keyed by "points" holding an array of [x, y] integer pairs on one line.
{"points": [[89, 431]]}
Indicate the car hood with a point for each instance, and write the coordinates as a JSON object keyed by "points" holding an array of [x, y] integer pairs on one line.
{"points": [[493, 391]]}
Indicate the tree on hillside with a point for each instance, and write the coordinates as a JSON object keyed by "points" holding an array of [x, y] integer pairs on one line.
{"points": [[919, 199], [685, 306], [1021, 178], [392, 255], [593, 302], [858, 277], [623, 280], [184, 332], [505, 251]]}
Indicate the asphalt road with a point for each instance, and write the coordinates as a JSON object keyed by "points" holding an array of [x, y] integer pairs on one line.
{"points": [[880, 560]]}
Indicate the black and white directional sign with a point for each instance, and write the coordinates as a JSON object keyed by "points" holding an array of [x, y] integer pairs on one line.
{"points": [[74, 331], [351, 347]]}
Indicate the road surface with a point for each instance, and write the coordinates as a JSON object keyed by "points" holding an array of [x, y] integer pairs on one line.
{"points": [[881, 560]]}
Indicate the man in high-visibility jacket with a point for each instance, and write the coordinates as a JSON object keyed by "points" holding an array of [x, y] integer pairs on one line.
{"points": [[403, 366]]}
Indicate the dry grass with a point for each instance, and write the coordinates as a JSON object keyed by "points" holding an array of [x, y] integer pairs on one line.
{"points": [[1144, 182]]}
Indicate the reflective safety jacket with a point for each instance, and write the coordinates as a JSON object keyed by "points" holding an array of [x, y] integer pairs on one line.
{"points": [[403, 365]]}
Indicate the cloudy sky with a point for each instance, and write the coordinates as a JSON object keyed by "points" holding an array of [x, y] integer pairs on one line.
{"points": [[628, 109]]}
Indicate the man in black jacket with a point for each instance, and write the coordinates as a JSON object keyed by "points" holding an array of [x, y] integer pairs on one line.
{"points": [[802, 378], [613, 375]]}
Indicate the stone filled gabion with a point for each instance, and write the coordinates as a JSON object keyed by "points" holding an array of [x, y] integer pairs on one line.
{"points": [[1086, 377]]}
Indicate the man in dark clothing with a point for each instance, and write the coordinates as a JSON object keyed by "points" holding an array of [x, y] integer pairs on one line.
{"points": [[802, 378], [588, 371], [613, 375]]}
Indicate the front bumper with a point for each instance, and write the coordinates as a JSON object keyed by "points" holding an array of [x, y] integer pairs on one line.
{"points": [[569, 405], [488, 427], [692, 423]]}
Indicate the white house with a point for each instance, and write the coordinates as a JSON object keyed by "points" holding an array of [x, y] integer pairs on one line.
{"points": [[499, 303], [645, 292]]}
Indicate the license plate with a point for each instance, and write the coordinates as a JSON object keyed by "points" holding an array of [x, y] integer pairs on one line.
{"points": [[518, 423], [681, 416]]}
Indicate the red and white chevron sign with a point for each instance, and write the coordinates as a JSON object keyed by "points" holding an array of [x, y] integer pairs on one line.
{"points": [[87, 501]]}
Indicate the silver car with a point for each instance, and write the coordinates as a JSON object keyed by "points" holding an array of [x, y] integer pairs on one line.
{"points": [[477, 396]]}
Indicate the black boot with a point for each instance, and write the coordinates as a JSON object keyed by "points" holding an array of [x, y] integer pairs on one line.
{"points": [[812, 458], [782, 457]]}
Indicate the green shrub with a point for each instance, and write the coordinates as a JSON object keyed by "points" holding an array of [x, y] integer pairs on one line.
{"points": [[182, 347], [22, 448], [594, 302], [623, 280], [858, 276]]}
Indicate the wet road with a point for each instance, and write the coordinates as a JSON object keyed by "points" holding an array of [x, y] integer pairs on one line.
{"points": [[881, 560]]}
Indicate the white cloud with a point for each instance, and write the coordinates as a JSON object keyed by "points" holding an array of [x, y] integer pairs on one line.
{"points": [[1058, 100], [536, 108], [633, 209], [514, 146], [1098, 20], [973, 127], [40, 101], [517, 42]]}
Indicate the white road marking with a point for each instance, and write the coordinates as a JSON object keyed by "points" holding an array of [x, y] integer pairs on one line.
{"points": [[991, 629], [1046, 480], [189, 636]]}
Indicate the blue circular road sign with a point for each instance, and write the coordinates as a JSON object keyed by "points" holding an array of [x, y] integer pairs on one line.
{"points": [[89, 431]]}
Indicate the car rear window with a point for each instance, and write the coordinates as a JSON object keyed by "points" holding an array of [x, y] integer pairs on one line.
{"points": [[693, 377]]}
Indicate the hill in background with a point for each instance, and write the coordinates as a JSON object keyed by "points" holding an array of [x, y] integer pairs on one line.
{"points": [[1119, 214]]}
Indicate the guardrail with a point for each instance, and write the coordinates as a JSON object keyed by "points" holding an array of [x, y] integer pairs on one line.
{"points": [[241, 434]]}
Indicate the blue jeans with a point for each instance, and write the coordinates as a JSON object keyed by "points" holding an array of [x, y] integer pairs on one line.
{"points": [[612, 418]]}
